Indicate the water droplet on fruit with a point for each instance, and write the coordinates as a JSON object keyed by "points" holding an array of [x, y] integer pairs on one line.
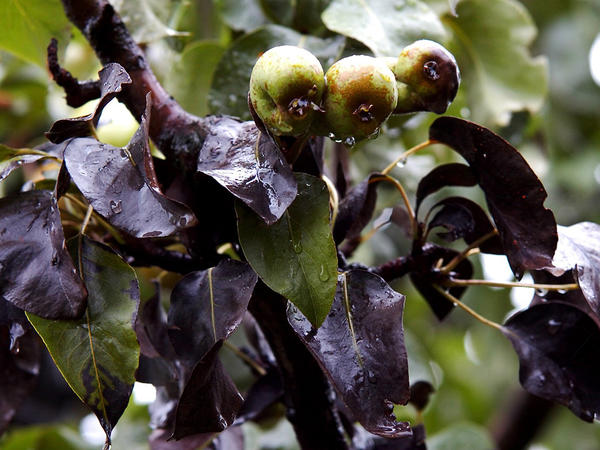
{"points": [[430, 68], [350, 141], [541, 292], [297, 246], [553, 326], [116, 206], [374, 134], [323, 275]]}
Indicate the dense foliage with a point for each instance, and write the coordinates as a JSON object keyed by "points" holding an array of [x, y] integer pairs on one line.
{"points": [[153, 253]]}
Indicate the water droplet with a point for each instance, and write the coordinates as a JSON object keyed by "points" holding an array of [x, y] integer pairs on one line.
{"points": [[116, 206], [542, 378], [350, 141], [222, 421], [371, 377], [562, 291], [374, 134], [297, 246], [553, 326], [401, 163], [541, 292], [182, 222], [54, 260], [323, 275]]}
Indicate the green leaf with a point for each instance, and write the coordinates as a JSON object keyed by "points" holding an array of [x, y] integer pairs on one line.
{"points": [[461, 435], [28, 25], [383, 26], [192, 75], [44, 437], [491, 40], [242, 15], [98, 354], [295, 256], [229, 90]]}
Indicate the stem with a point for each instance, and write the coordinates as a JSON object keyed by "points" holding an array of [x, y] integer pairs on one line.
{"points": [[407, 153], [334, 199], [467, 252], [400, 188], [460, 304], [112, 230], [240, 354], [86, 219], [511, 284]]}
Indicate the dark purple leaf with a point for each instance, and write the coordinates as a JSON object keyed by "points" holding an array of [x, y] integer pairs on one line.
{"points": [[20, 353], [465, 219], [453, 174], [355, 210], [125, 193], [424, 276], [112, 77], [363, 440], [36, 270], [420, 393], [152, 330], [250, 166], [311, 158], [360, 346], [266, 391], [210, 401], [557, 344], [514, 193], [208, 306]]}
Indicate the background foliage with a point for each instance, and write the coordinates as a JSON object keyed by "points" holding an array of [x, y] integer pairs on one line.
{"points": [[526, 74]]}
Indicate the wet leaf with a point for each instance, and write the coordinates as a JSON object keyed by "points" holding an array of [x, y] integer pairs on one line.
{"points": [[360, 346], [356, 210], [13, 158], [152, 329], [250, 166], [36, 270], [425, 275], [557, 344], [98, 354], [112, 78], [514, 194], [363, 440], [229, 91], [492, 39], [383, 26], [453, 174], [295, 256], [266, 391], [121, 186], [209, 401], [207, 306], [20, 353], [465, 219]]}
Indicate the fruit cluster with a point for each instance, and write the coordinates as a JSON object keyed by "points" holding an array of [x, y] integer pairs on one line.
{"points": [[293, 97]]}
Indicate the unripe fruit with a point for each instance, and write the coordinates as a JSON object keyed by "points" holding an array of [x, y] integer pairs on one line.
{"points": [[361, 93], [286, 87], [428, 77]]}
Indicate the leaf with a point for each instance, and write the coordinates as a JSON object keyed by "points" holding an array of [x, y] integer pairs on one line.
{"points": [[229, 90], [13, 158], [242, 15], [356, 210], [192, 75], [424, 275], [514, 194], [112, 78], [383, 26], [209, 401], [160, 440], [295, 256], [578, 249], [453, 174], [492, 39], [148, 20], [265, 392], [364, 440], [121, 186], [98, 354], [360, 346], [461, 435], [557, 344], [20, 353], [207, 306], [27, 27], [36, 270], [250, 166]]}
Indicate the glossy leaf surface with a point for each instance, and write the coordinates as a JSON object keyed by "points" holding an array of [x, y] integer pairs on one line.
{"points": [[514, 193], [295, 256], [452, 174], [360, 345], [250, 166], [36, 270], [98, 354]]}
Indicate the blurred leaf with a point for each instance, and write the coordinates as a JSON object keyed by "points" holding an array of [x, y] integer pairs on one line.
{"points": [[98, 354], [147, 20], [36, 270], [242, 15], [360, 345], [356, 209], [250, 166], [229, 90], [192, 75], [44, 438], [491, 40], [13, 158], [28, 25], [383, 26], [295, 256], [514, 194], [279, 11], [557, 344], [462, 435]]}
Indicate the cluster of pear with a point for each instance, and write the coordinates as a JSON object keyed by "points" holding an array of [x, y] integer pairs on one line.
{"points": [[292, 95]]}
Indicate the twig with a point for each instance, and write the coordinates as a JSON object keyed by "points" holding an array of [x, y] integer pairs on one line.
{"points": [[511, 284], [400, 188], [407, 153], [467, 251]]}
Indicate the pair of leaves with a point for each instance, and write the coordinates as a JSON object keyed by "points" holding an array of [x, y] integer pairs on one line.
{"points": [[360, 347], [295, 256], [98, 354]]}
